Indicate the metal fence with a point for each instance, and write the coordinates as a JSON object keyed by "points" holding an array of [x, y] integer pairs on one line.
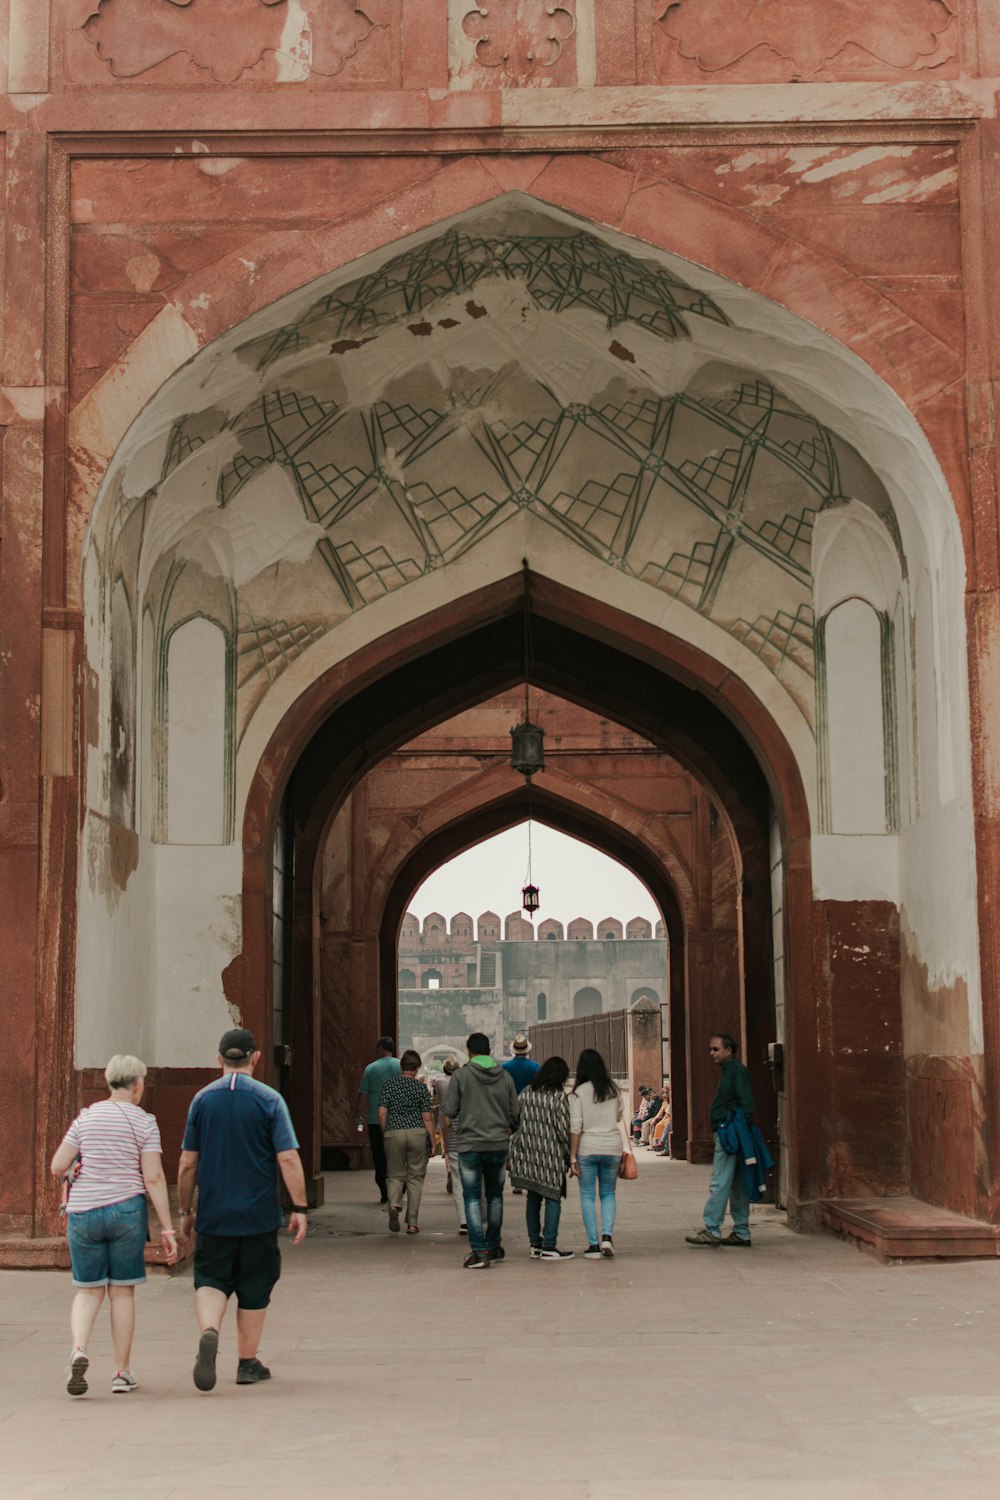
{"points": [[607, 1033]]}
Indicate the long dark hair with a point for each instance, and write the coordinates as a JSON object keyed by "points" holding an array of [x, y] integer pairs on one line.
{"points": [[591, 1068], [552, 1074]]}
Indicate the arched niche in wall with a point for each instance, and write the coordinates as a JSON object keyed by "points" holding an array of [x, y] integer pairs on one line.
{"points": [[431, 979], [645, 993], [587, 1002], [197, 731], [146, 718], [541, 1006], [861, 654], [407, 979], [122, 783]]}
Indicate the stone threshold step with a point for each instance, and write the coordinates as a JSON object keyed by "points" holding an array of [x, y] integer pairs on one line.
{"points": [[905, 1228], [19, 1252]]}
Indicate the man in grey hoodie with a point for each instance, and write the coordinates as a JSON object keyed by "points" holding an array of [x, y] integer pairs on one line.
{"points": [[483, 1099]]}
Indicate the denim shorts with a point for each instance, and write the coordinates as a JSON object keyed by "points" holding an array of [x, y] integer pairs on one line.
{"points": [[106, 1244]]}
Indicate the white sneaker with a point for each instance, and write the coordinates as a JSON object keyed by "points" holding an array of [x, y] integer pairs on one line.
{"points": [[123, 1382], [607, 1247], [77, 1372]]}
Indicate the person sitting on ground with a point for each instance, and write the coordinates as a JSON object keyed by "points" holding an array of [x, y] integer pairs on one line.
{"points": [[645, 1094], [117, 1147], [406, 1119], [539, 1156], [652, 1120]]}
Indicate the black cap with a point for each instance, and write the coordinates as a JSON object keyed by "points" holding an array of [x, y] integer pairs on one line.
{"points": [[237, 1045]]}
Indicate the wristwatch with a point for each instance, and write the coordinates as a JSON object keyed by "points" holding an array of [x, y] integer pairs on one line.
{"points": [[300, 1208]]}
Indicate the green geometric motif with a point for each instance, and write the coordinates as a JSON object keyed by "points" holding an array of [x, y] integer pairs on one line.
{"points": [[558, 271]]}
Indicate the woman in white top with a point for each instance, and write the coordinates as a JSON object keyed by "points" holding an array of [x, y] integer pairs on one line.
{"points": [[115, 1146], [595, 1149]]}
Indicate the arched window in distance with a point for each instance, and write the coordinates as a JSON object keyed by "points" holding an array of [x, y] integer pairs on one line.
{"points": [[407, 979], [541, 1006], [587, 1002], [430, 979]]}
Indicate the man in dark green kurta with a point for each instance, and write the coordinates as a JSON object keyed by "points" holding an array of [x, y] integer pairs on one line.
{"points": [[727, 1185]]}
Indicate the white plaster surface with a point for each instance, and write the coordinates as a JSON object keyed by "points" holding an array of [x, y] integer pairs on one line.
{"points": [[196, 734], [855, 867], [198, 933], [855, 719]]}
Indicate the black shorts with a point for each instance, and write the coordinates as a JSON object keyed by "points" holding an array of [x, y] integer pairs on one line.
{"points": [[247, 1264]]}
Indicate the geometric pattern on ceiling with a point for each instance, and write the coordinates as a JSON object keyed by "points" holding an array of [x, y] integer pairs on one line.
{"points": [[558, 271], [708, 494], [401, 456]]}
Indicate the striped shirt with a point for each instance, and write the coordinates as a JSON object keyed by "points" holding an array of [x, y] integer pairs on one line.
{"points": [[110, 1138]]}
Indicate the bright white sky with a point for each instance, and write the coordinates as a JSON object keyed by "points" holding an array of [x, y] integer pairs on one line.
{"points": [[574, 880]]}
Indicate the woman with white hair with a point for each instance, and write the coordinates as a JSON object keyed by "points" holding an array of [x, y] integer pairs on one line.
{"points": [[113, 1149]]}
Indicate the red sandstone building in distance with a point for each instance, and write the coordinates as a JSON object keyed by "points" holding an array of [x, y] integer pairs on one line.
{"points": [[362, 361]]}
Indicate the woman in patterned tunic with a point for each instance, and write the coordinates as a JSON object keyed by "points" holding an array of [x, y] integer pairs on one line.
{"points": [[407, 1121], [539, 1156]]}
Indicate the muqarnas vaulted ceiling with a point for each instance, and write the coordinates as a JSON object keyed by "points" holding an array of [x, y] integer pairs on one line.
{"points": [[400, 418]]}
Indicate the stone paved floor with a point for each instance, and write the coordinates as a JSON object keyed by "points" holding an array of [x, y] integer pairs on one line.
{"points": [[801, 1368]]}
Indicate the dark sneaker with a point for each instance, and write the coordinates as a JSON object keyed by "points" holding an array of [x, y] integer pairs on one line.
{"points": [[462, 1229], [535, 1252], [735, 1239], [556, 1254], [703, 1238], [394, 1221], [77, 1372], [607, 1247], [251, 1372], [498, 1254], [593, 1252], [204, 1365], [476, 1262]]}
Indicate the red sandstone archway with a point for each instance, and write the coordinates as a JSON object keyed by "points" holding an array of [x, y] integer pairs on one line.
{"points": [[700, 714]]}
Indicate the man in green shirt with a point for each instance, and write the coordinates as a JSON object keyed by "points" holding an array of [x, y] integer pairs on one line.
{"points": [[385, 1066], [727, 1185]]}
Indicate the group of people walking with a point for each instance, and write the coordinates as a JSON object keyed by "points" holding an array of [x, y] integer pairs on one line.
{"points": [[239, 1137], [495, 1117]]}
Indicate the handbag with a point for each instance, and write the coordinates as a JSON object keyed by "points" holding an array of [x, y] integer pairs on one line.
{"points": [[628, 1167]]}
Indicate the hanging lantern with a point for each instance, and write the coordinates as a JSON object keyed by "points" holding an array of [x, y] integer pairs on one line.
{"points": [[526, 752], [529, 898]]}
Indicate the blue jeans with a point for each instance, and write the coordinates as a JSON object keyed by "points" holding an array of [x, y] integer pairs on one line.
{"points": [[727, 1186], [598, 1173], [537, 1236], [106, 1244], [483, 1172]]}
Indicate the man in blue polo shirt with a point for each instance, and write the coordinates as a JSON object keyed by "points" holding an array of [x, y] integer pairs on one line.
{"points": [[238, 1137]]}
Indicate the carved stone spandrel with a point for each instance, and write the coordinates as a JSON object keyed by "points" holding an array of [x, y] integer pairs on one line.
{"points": [[284, 41], [774, 41]]}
